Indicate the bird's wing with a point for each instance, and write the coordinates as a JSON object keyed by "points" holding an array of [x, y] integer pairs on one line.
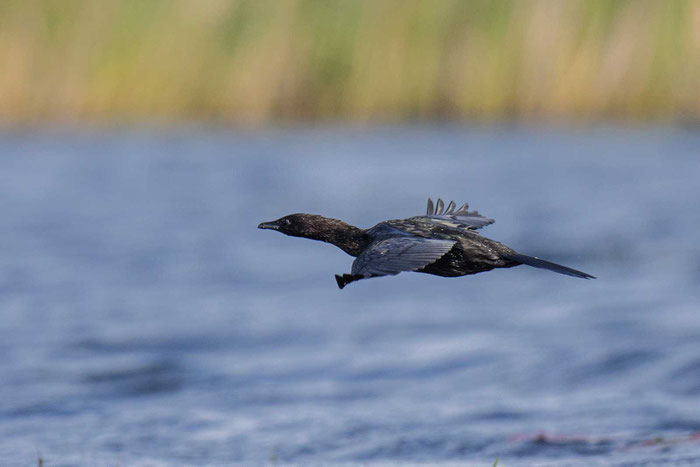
{"points": [[460, 218], [391, 256]]}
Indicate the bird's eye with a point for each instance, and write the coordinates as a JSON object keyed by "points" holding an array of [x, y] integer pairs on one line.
{"points": [[287, 222]]}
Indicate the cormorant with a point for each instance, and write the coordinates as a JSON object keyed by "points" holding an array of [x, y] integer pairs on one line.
{"points": [[443, 242]]}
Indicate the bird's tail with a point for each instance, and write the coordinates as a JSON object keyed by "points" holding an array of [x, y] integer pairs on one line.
{"points": [[542, 264]]}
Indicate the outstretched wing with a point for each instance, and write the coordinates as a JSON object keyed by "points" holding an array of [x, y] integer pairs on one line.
{"points": [[460, 218], [391, 256]]}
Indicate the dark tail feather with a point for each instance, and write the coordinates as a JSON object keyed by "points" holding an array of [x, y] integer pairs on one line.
{"points": [[542, 264], [345, 279]]}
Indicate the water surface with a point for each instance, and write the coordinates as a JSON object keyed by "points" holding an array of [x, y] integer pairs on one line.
{"points": [[145, 320]]}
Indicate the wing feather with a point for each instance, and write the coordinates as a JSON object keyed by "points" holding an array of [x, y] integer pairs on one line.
{"points": [[393, 255], [439, 208], [461, 218], [431, 208]]}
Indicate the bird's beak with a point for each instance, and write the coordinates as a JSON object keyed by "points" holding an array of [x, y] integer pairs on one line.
{"points": [[272, 225]]}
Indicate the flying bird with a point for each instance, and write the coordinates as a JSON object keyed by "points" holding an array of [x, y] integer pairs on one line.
{"points": [[443, 242]]}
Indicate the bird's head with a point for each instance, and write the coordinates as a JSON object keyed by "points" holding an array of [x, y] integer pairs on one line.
{"points": [[296, 225]]}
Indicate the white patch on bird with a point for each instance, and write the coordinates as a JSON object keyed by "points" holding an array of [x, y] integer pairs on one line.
{"points": [[453, 225]]}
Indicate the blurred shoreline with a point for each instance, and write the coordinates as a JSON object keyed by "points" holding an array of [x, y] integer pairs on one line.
{"points": [[259, 62]]}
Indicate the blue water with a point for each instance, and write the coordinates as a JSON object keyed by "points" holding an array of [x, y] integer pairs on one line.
{"points": [[144, 320]]}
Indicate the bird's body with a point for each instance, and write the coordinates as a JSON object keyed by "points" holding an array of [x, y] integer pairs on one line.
{"points": [[444, 242]]}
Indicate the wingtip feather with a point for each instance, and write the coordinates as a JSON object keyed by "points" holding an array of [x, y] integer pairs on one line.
{"points": [[471, 219], [440, 207], [463, 209]]}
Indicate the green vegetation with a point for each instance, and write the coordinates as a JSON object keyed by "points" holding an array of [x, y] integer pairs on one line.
{"points": [[255, 61]]}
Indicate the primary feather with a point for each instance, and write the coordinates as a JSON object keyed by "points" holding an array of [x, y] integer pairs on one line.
{"points": [[461, 218]]}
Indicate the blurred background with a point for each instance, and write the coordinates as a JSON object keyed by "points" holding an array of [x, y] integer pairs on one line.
{"points": [[256, 62], [144, 320]]}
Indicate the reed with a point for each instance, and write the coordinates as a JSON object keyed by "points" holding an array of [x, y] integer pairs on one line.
{"points": [[260, 61]]}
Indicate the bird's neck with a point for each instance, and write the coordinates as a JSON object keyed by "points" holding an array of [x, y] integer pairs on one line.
{"points": [[352, 240]]}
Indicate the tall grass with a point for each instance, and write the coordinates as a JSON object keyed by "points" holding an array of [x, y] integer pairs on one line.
{"points": [[254, 61]]}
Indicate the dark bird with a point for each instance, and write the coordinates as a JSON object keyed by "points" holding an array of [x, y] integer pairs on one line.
{"points": [[444, 242]]}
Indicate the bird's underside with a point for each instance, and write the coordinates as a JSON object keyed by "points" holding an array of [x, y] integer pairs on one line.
{"points": [[443, 242]]}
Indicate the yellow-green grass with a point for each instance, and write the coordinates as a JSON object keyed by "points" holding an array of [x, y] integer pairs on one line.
{"points": [[259, 61]]}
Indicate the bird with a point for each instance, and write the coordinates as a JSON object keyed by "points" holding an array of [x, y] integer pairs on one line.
{"points": [[444, 242]]}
